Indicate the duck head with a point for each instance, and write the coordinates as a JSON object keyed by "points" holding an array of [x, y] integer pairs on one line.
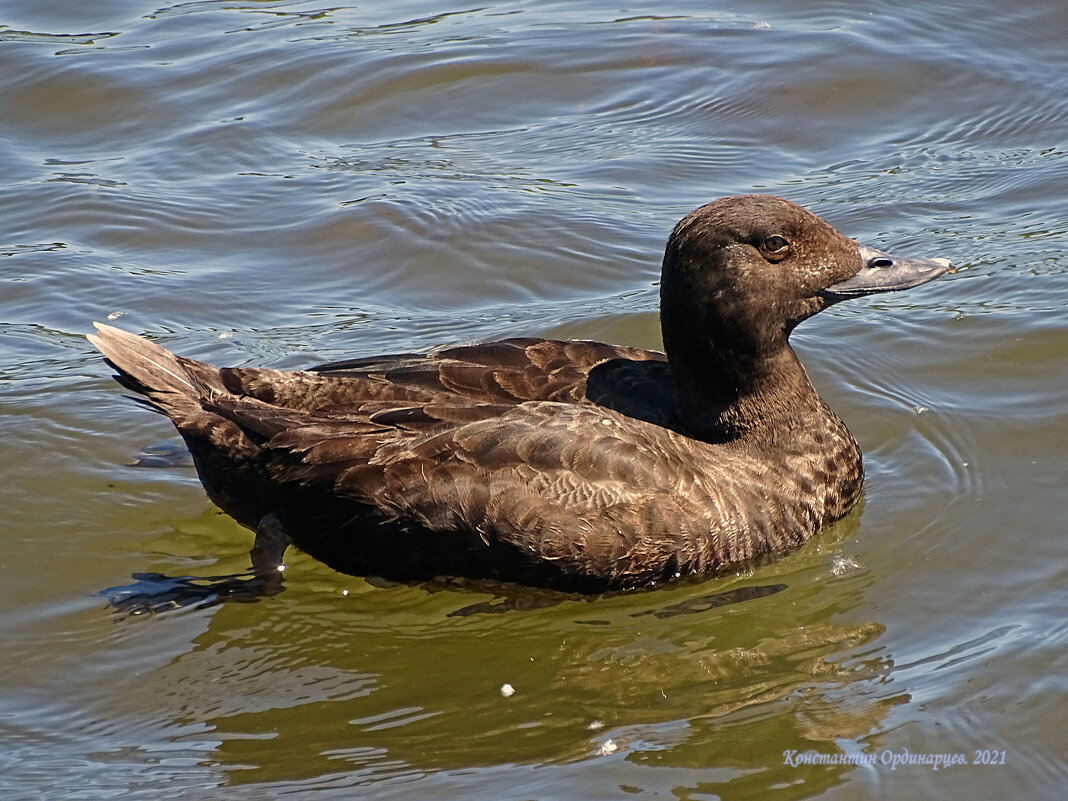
{"points": [[741, 272]]}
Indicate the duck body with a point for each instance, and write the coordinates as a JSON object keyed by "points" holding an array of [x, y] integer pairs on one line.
{"points": [[567, 464]]}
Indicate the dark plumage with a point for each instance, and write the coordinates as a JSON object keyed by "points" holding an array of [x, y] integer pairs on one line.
{"points": [[575, 465]]}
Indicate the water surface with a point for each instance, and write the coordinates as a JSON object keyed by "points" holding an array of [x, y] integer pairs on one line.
{"points": [[283, 183]]}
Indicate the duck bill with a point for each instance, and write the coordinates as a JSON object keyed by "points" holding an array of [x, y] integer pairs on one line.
{"points": [[885, 273]]}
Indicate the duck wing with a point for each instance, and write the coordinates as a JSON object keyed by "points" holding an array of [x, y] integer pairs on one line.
{"points": [[507, 371]]}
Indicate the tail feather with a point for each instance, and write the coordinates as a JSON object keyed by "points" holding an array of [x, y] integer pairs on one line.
{"points": [[172, 385], [230, 462]]}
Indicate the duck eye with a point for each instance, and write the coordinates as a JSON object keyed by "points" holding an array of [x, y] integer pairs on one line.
{"points": [[775, 248]]}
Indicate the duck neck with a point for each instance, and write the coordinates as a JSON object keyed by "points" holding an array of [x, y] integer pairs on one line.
{"points": [[724, 394]]}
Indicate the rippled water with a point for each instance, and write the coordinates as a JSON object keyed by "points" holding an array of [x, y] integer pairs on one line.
{"points": [[284, 183]]}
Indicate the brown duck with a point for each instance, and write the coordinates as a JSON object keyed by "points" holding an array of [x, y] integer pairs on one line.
{"points": [[567, 464]]}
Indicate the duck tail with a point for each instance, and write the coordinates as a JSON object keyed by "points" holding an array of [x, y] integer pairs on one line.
{"points": [[169, 384]]}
